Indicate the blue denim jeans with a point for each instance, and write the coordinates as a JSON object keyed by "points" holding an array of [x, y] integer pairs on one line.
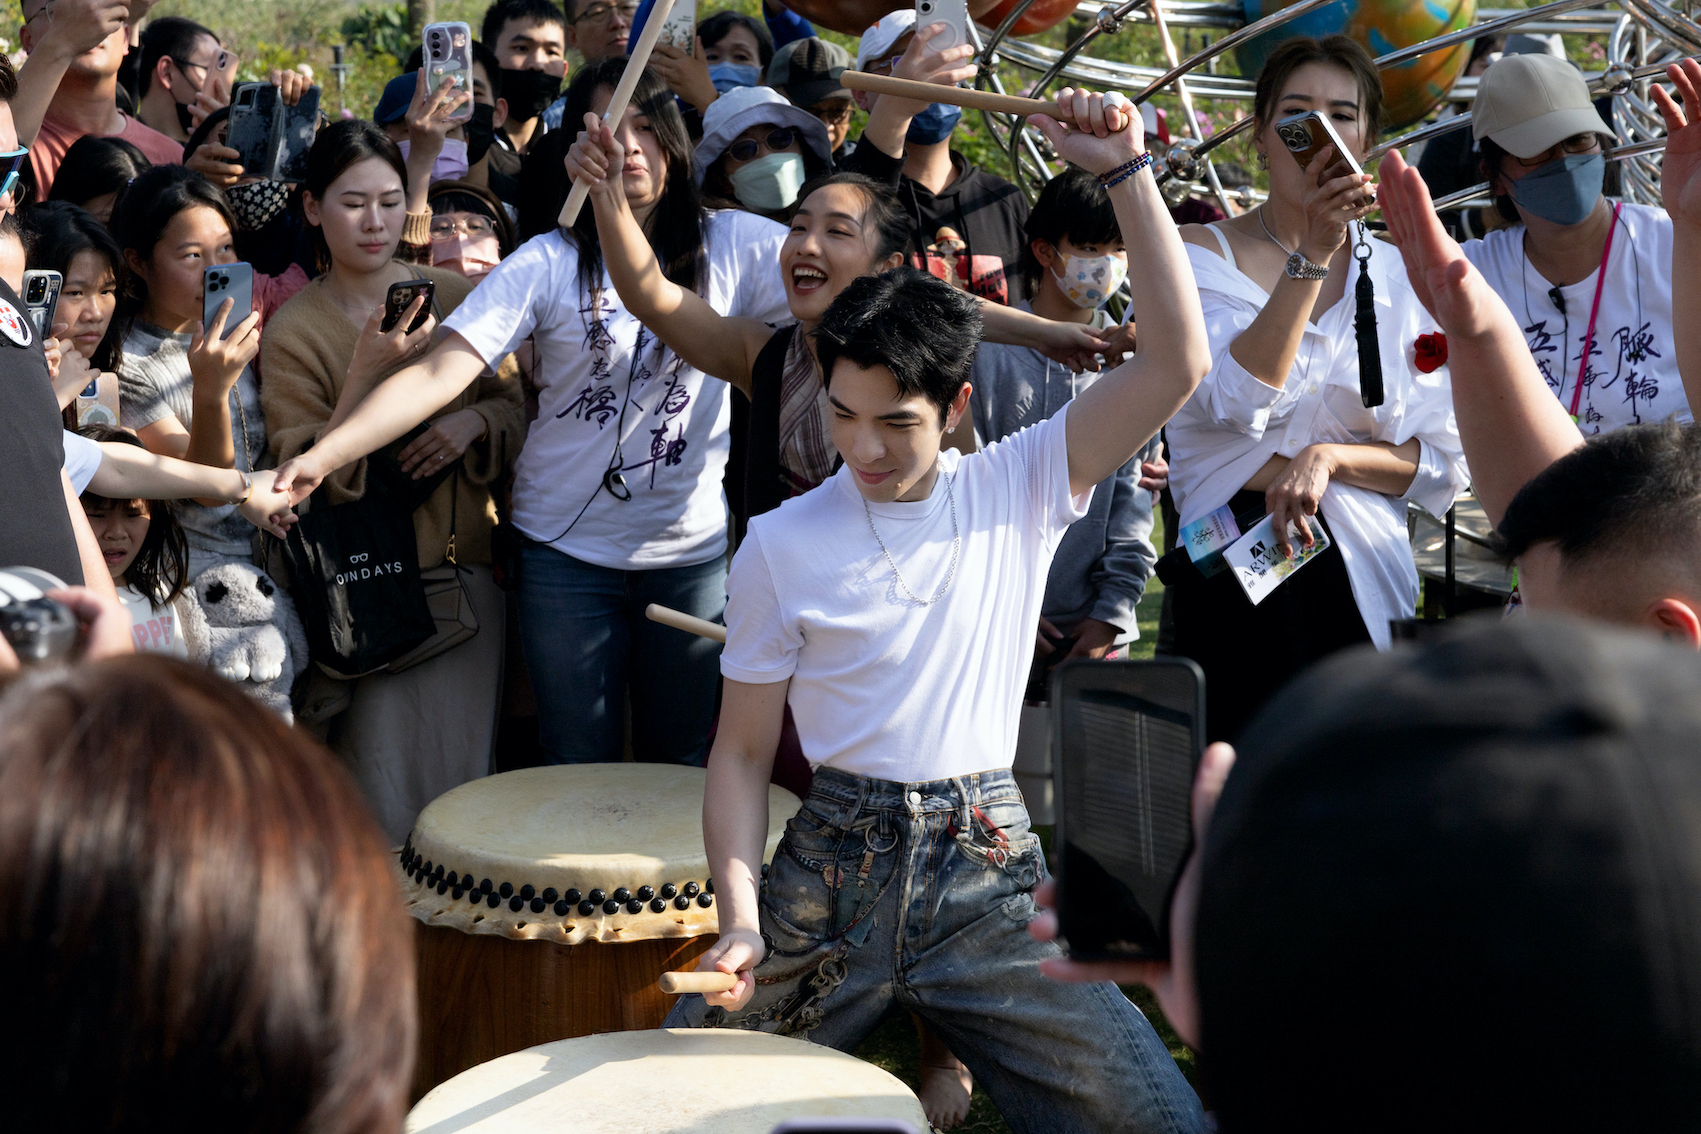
{"points": [[589, 648], [885, 893]]}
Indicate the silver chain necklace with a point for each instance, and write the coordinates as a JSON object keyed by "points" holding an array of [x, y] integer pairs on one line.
{"points": [[1270, 234], [956, 546]]}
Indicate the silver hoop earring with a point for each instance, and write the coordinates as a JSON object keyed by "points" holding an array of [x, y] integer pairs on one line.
{"points": [[1263, 161]]}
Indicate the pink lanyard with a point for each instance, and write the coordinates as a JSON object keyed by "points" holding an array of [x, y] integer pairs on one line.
{"points": [[1589, 338]]}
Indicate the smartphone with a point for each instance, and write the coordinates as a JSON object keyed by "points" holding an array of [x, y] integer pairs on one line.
{"points": [[448, 53], [97, 403], [256, 113], [680, 30], [221, 76], [953, 13], [41, 296], [1126, 738], [844, 1126], [398, 298], [227, 281], [295, 138], [1306, 134]]}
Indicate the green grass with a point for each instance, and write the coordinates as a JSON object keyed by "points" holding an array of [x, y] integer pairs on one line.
{"points": [[893, 1045]]}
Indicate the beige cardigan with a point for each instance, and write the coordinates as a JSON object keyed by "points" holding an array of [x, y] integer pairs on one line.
{"points": [[305, 353]]}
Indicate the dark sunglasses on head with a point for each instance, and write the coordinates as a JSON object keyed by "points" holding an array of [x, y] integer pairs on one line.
{"points": [[11, 161], [747, 148]]}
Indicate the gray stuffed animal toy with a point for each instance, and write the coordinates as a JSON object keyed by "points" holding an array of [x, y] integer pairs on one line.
{"points": [[244, 626]]}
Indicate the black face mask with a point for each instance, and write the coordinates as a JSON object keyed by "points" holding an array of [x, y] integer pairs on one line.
{"points": [[528, 92], [480, 131], [183, 118]]}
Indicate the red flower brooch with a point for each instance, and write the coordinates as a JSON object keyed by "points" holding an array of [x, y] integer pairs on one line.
{"points": [[1429, 352]]}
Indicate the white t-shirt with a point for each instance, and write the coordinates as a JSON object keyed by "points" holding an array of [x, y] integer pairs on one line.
{"points": [[82, 460], [157, 630], [1632, 374], [882, 686], [664, 423]]}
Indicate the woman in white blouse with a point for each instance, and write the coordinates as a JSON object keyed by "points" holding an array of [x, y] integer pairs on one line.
{"points": [[1278, 425]]}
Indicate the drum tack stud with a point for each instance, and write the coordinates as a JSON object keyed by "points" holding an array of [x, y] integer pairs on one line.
{"points": [[442, 887], [527, 893], [572, 897], [563, 908], [539, 905], [597, 896], [705, 900], [493, 900], [485, 885], [691, 889], [709, 886], [587, 908], [622, 895], [634, 906], [516, 903], [549, 895], [645, 893], [457, 892], [668, 890], [454, 879], [682, 903], [506, 889], [611, 906], [657, 905]]}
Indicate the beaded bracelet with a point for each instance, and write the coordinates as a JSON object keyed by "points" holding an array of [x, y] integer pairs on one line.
{"points": [[1126, 170]]}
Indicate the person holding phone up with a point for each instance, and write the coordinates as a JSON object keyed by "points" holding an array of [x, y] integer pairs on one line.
{"points": [[409, 736], [1280, 426]]}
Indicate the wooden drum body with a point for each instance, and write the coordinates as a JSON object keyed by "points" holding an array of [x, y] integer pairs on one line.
{"points": [[550, 900]]}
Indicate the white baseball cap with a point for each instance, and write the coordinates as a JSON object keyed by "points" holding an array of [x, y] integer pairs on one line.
{"points": [[1527, 104], [743, 107], [877, 40]]}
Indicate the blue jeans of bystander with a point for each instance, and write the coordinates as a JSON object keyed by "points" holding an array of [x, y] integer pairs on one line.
{"points": [[588, 648], [920, 894]]}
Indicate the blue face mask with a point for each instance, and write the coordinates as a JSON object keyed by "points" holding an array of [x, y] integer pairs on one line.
{"points": [[731, 76], [1563, 191], [934, 124]]}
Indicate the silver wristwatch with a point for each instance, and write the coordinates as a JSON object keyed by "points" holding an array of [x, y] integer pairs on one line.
{"points": [[1300, 268]]}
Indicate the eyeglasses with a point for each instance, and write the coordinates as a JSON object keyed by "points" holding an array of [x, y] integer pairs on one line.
{"points": [[224, 62], [473, 227], [11, 161], [746, 149], [601, 12], [832, 113], [1575, 144]]}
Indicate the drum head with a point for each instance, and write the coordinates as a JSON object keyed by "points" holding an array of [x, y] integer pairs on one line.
{"points": [[674, 1081]]}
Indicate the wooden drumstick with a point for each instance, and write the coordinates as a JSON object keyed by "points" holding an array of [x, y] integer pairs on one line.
{"points": [[955, 96], [637, 59], [689, 623], [706, 981]]}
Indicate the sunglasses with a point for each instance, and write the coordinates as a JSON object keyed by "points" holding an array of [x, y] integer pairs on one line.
{"points": [[747, 148], [11, 161]]}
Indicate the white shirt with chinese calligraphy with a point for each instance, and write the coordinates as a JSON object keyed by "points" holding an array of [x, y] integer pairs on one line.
{"points": [[1234, 423], [602, 406], [1632, 373]]}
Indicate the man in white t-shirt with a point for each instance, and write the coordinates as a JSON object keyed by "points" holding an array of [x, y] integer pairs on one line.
{"points": [[893, 607], [1579, 272]]}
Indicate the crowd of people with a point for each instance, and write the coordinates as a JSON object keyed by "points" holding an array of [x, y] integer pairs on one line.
{"points": [[862, 402]]}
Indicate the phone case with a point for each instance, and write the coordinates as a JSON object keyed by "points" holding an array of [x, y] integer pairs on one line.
{"points": [[448, 52], [400, 295], [97, 403], [256, 113], [954, 13], [1306, 134], [1126, 739], [300, 124], [680, 30], [41, 297], [227, 281]]}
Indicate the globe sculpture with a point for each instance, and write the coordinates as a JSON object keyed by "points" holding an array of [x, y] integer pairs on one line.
{"points": [[1411, 89]]}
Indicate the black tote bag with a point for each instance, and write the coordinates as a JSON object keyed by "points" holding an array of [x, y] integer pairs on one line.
{"points": [[357, 584]]}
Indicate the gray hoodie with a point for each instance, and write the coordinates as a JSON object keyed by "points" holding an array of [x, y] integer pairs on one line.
{"points": [[1105, 558]]}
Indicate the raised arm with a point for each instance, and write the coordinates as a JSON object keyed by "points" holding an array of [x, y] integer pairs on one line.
{"points": [[1119, 413], [1075, 345], [889, 119], [719, 345], [55, 36], [1680, 188], [130, 472], [1510, 424], [400, 402]]}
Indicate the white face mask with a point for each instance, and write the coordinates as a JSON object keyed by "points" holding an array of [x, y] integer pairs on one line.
{"points": [[770, 183], [1087, 281]]}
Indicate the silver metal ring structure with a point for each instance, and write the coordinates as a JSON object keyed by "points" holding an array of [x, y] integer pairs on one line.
{"points": [[1643, 37]]}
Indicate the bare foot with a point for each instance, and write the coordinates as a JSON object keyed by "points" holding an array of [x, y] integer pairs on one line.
{"points": [[945, 1082]]}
